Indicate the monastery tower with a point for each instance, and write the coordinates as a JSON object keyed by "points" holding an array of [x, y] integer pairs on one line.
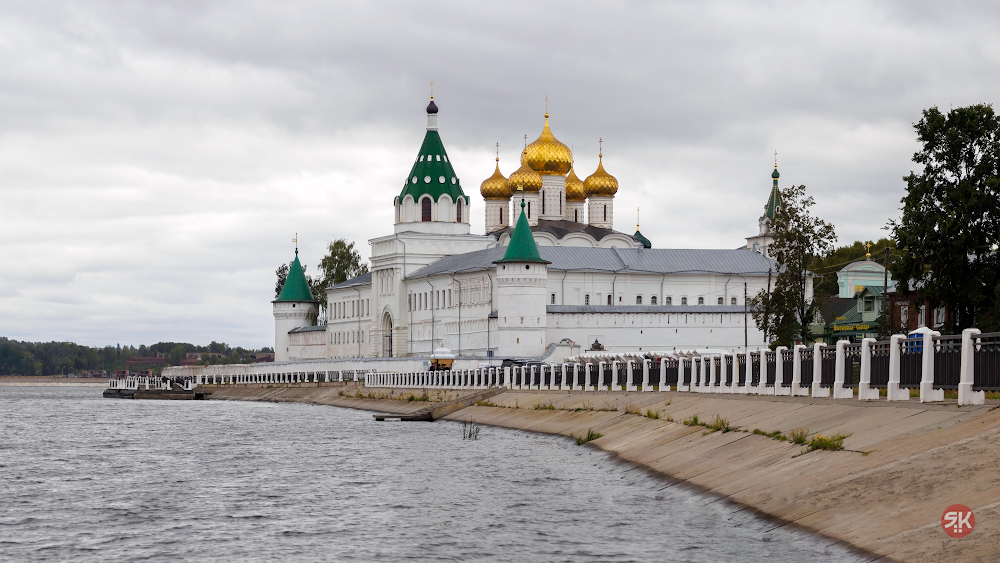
{"points": [[522, 278], [294, 308]]}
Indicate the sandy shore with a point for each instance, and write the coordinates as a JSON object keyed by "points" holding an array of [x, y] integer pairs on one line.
{"points": [[904, 463]]}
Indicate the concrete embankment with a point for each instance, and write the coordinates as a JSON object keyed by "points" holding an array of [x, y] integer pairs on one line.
{"points": [[51, 381], [903, 463]]}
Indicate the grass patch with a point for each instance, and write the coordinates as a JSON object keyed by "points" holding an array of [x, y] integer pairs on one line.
{"points": [[653, 415], [544, 406], [719, 425], [591, 435], [632, 409], [833, 443], [776, 435], [486, 404], [798, 435], [413, 397], [693, 421], [587, 406]]}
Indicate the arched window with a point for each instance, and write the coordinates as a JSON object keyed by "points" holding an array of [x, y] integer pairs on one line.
{"points": [[720, 301], [701, 300], [605, 212], [609, 299], [425, 209], [503, 215], [684, 300], [732, 301], [529, 210], [586, 299], [668, 300], [543, 203], [652, 300], [576, 215], [459, 210]]}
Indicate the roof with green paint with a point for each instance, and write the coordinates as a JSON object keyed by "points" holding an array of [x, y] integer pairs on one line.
{"points": [[774, 200], [432, 173], [522, 247], [645, 241], [296, 288]]}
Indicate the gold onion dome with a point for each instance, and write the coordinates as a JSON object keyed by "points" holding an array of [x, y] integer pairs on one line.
{"points": [[574, 187], [526, 177], [547, 155], [600, 182], [495, 187]]}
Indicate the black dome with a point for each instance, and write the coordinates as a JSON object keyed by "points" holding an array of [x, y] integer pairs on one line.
{"points": [[432, 107]]}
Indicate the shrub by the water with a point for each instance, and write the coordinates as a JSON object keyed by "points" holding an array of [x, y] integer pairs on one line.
{"points": [[591, 435]]}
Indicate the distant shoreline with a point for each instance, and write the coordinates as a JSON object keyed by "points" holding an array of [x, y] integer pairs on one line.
{"points": [[51, 381]]}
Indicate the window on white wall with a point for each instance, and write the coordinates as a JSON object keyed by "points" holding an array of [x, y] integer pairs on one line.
{"points": [[652, 300], [732, 301], [609, 299], [668, 300], [638, 300], [701, 300], [586, 299], [684, 300], [552, 299], [720, 301]]}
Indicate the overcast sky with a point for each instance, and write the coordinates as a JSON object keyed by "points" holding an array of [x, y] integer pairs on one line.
{"points": [[156, 158]]}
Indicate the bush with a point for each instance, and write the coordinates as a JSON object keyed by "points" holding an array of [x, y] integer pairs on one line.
{"points": [[776, 435], [652, 415], [591, 435], [545, 406], [834, 443], [799, 435], [632, 409]]}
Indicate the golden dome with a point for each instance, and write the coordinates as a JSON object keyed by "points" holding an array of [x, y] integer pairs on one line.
{"points": [[600, 182], [547, 155], [525, 176], [495, 187], [574, 187]]}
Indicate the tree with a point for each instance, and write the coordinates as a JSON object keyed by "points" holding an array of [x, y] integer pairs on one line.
{"points": [[787, 312], [950, 227]]}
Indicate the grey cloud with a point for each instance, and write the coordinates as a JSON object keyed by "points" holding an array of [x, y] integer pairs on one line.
{"points": [[156, 158]]}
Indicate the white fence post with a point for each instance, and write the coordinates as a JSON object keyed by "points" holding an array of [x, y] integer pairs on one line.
{"points": [[817, 390], [645, 375], [839, 391], [779, 372], [893, 392], [663, 375], [629, 381], [966, 396], [680, 374], [865, 392], [797, 371]]}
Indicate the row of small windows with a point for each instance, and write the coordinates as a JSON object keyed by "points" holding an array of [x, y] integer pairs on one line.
{"points": [[668, 300], [348, 337], [441, 180], [431, 157], [437, 299], [346, 309]]}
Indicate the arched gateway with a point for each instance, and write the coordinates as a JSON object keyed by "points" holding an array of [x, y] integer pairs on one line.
{"points": [[386, 335]]}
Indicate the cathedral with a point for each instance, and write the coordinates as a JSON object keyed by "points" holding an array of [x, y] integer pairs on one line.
{"points": [[550, 277]]}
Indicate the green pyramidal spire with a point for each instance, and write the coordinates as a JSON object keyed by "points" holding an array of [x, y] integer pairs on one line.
{"points": [[522, 247], [296, 288], [775, 198]]}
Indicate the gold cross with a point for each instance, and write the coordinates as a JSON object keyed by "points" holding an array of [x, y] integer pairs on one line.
{"points": [[600, 143], [498, 152], [525, 141], [868, 247], [546, 103], [432, 89], [775, 159]]}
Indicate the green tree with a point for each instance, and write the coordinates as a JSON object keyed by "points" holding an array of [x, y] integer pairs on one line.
{"points": [[787, 312], [950, 227]]}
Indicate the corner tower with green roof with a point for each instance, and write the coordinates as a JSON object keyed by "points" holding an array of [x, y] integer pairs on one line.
{"points": [[522, 295], [294, 308], [432, 199]]}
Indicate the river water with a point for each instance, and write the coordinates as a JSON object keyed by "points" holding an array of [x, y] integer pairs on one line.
{"points": [[83, 478]]}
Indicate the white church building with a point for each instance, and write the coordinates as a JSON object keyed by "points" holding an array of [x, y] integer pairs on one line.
{"points": [[549, 278]]}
